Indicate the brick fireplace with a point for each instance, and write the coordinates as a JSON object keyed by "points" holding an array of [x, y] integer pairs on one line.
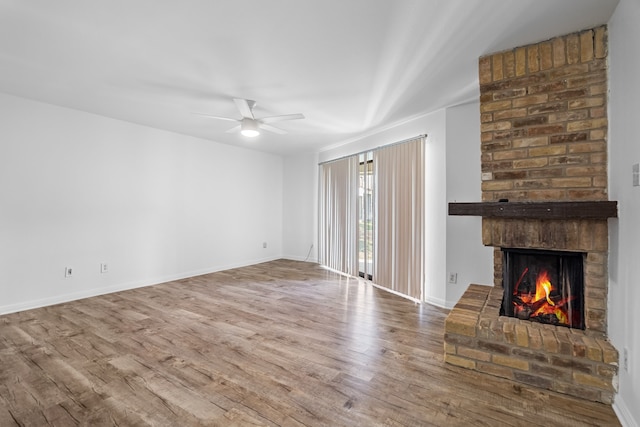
{"points": [[544, 187]]}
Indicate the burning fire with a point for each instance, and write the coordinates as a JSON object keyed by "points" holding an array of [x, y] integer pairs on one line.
{"points": [[540, 303], [543, 283]]}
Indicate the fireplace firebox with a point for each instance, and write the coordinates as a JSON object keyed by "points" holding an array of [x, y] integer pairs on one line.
{"points": [[544, 286]]}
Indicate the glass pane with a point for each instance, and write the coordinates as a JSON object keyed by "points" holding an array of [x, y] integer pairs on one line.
{"points": [[365, 215]]}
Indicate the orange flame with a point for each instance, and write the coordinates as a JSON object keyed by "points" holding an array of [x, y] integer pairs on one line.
{"points": [[543, 291], [543, 287]]}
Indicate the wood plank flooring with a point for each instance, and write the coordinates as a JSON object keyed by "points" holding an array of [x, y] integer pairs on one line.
{"points": [[283, 343]]}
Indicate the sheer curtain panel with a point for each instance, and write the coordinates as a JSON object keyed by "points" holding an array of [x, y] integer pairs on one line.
{"points": [[338, 216]]}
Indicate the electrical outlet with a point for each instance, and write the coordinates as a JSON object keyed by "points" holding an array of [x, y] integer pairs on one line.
{"points": [[264, 245], [453, 278], [68, 272], [625, 359], [104, 268]]}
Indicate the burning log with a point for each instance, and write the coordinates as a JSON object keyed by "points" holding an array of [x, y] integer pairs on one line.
{"points": [[527, 309], [548, 318], [524, 313]]}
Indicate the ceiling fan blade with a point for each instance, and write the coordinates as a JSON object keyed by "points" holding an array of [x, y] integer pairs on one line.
{"points": [[216, 117], [272, 129], [273, 119], [245, 106], [233, 129]]}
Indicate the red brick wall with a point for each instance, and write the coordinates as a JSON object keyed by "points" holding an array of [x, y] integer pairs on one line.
{"points": [[544, 120]]}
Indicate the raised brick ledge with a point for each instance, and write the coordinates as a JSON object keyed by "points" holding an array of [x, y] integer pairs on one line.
{"points": [[579, 363]]}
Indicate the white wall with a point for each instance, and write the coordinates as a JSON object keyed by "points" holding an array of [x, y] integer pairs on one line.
{"points": [[78, 189], [435, 290], [466, 256], [624, 151], [300, 207]]}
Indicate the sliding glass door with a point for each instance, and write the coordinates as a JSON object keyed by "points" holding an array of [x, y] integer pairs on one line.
{"points": [[365, 215], [371, 219]]}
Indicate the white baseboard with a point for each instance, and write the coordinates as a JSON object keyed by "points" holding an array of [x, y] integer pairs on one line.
{"points": [[622, 411], [88, 293], [300, 258]]}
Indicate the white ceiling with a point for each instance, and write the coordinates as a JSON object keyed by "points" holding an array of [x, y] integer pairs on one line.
{"points": [[350, 66]]}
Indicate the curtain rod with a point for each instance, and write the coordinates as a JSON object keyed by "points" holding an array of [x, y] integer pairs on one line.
{"points": [[424, 135]]}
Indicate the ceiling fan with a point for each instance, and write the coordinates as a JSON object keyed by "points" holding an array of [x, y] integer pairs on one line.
{"points": [[249, 124]]}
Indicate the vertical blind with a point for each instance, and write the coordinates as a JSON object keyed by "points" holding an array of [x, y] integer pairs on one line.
{"points": [[338, 216], [398, 249], [399, 246]]}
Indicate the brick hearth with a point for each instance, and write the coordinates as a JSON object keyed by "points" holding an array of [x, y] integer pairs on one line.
{"points": [[570, 361], [543, 138]]}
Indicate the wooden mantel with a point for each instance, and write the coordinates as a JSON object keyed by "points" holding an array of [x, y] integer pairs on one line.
{"points": [[537, 210]]}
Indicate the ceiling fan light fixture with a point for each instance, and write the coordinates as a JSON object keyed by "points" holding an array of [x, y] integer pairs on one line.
{"points": [[249, 125], [249, 128]]}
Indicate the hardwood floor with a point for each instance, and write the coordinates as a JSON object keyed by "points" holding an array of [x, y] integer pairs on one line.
{"points": [[282, 343]]}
